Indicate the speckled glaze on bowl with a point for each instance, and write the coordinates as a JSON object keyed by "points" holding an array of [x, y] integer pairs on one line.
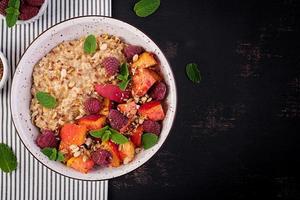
{"points": [[68, 30]]}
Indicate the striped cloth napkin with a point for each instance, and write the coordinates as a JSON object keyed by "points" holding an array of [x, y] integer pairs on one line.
{"points": [[31, 180]]}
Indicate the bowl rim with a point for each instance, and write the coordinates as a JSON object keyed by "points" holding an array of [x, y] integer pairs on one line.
{"points": [[4, 77], [42, 10], [131, 26]]}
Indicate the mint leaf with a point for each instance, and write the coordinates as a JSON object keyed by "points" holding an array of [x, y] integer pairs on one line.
{"points": [[113, 131], [193, 72], [106, 135], [51, 153], [98, 133], [124, 76], [124, 72], [11, 19], [60, 157], [47, 151], [149, 140], [90, 44], [121, 77], [12, 12], [145, 8], [118, 138], [8, 160], [123, 85], [46, 100], [53, 156], [14, 4]]}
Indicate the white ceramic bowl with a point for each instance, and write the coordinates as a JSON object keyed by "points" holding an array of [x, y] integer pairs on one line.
{"points": [[40, 13], [69, 30], [4, 77]]}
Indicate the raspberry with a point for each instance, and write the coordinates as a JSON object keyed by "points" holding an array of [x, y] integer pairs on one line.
{"points": [[46, 139], [131, 50], [92, 105], [158, 91], [116, 119], [28, 12], [151, 127], [3, 6], [111, 65], [101, 157], [35, 2]]}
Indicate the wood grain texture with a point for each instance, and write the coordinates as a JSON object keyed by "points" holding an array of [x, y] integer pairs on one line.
{"points": [[236, 134]]}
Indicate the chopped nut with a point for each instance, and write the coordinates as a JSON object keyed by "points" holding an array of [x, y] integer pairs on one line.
{"points": [[77, 154], [63, 73], [150, 99], [105, 36], [73, 146], [103, 47], [85, 158], [126, 160], [133, 71], [71, 84], [143, 99], [136, 120], [75, 149], [136, 99], [117, 39], [135, 57], [141, 120], [129, 100], [54, 115]]}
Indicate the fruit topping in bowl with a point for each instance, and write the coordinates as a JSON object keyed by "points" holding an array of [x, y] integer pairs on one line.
{"points": [[97, 107]]}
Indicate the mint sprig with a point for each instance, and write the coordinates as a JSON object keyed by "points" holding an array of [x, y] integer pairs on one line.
{"points": [[124, 76], [46, 100], [8, 160], [107, 133], [145, 8], [53, 154], [12, 12], [90, 44]]}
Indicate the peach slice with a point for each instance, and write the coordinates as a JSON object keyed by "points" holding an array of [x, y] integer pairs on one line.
{"points": [[72, 134], [92, 122], [152, 110], [127, 151], [145, 60], [129, 109], [143, 80], [136, 136], [79, 164]]}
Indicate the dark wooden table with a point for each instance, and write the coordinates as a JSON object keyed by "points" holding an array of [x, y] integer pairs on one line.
{"points": [[237, 134]]}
